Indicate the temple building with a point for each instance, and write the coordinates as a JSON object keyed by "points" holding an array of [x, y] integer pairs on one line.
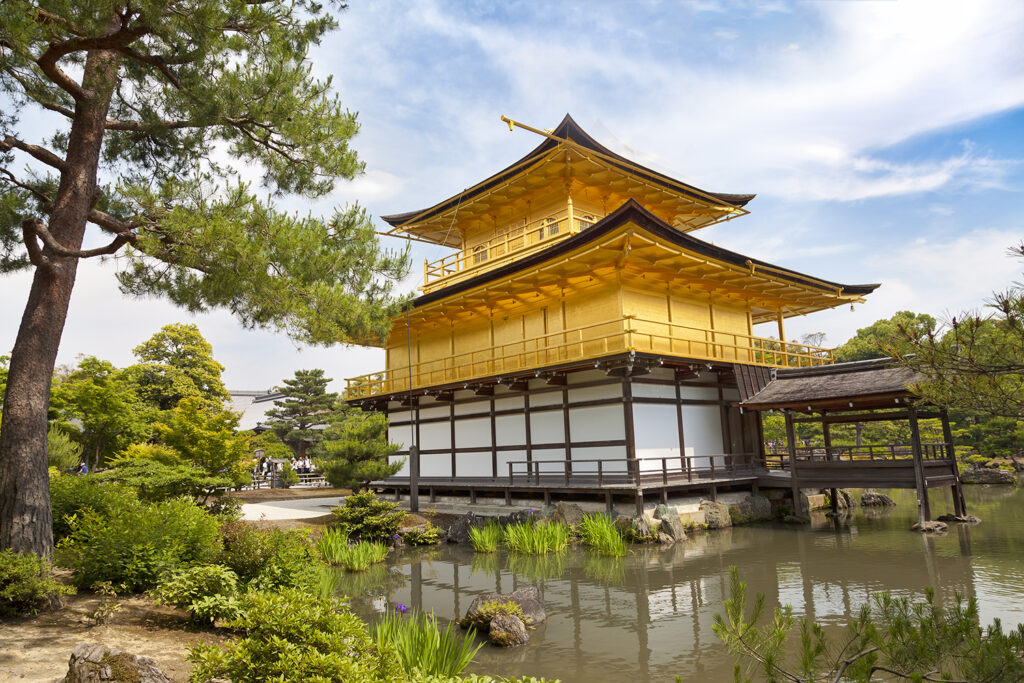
{"points": [[581, 339]]}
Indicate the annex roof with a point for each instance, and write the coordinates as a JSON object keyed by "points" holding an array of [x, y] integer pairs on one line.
{"points": [[875, 383], [641, 247], [570, 155]]}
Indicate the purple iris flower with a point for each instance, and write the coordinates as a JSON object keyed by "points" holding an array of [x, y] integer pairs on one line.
{"points": [[396, 537], [400, 608]]}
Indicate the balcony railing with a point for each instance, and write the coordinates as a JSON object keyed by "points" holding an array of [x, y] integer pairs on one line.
{"points": [[516, 243], [587, 342]]}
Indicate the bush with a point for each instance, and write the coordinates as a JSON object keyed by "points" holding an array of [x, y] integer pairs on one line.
{"points": [[206, 591], [536, 539], [71, 495], [429, 536], [367, 517], [288, 476], [133, 545], [63, 453], [26, 585], [600, 533], [356, 558], [155, 481], [485, 539], [268, 558], [422, 647], [293, 636], [225, 509]]}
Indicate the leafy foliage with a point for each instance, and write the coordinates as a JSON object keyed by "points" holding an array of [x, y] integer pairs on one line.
{"points": [[536, 539], [134, 545], [208, 592], [366, 516], [306, 404], [64, 454], [430, 535], [268, 558], [26, 584], [288, 477], [71, 496], [154, 481], [294, 636], [207, 439], [882, 337], [889, 638], [485, 539], [175, 363], [422, 647], [600, 533], [354, 448]]}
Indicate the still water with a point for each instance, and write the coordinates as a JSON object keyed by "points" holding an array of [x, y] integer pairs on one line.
{"points": [[648, 616]]}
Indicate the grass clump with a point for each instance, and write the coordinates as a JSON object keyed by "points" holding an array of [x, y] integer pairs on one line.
{"points": [[424, 648], [600, 533], [359, 556], [26, 584], [536, 539], [332, 544], [485, 539]]}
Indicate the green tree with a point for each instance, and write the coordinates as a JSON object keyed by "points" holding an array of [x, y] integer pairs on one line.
{"points": [[177, 362], [101, 410], [306, 405], [884, 337], [64, 453], [354, 449], [143, 91], [207, 439], [270, 444]]}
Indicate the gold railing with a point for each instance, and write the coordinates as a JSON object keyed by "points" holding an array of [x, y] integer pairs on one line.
{"points": [[499, 250], [592, 341]]}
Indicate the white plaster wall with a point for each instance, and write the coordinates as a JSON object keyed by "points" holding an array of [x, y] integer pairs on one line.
{"points": [[585, 376], [474, 408], [549, 398], [702, 431], [547, 427], [434, 435], [703, 393], [404, 471], [641, 390], [505, 457], [596, 423], [508, 402], [473, 464], [473, 432], [656, 435], [436, 465], [510, 430], [427, 412], [614, 458], [595, 393]]}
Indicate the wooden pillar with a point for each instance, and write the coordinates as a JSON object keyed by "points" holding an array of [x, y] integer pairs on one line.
{"points": [[632, 464], [684, 464], [494, 443], [959, 504], [924, 513], [794, 480], [529, 434], [566, 428], [414, 460], [782, 326], [827, 434], [451, 422]]}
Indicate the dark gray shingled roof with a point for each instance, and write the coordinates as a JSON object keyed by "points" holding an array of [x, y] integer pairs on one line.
{"points": [[861, 382]]}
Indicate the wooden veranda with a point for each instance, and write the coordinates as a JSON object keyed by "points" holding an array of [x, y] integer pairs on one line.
{"points": [[859, 392]]}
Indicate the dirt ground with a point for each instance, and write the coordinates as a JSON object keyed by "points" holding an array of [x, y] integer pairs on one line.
{"points": [[37, 648]]}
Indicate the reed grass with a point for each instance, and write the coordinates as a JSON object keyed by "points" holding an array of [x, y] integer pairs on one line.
{"points": [[485, 539], [359, 556], [332, 544], [536, 539], [424, 648], [600, 533]]}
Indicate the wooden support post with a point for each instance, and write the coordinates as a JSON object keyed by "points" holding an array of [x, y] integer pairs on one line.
{"points": [[714, 493], [508, 497], [547, 497], [924, 513], [639, 500], [827, 434], [608, 501], [791, 443], [782, 328], [472, 496], [959, 504], [433, 495], [834, 499], [664, 496]]}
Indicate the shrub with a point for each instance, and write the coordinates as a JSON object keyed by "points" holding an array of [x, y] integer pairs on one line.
{"points": [[536, 539], [206, 591], [357, 557], [26, 585], [132, 546], [63, 453], [485, 539], [422, 647], [366, 516], [225, 509], [71, 495], [288, 476], [600, 533], [292, 636], [431, 535], [155, 481], [268, 558], [332, 544]]}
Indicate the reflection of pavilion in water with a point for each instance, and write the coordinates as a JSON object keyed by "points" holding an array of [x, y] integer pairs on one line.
{"points": [[650, 616]]}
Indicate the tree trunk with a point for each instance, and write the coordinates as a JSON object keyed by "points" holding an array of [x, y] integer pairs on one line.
{"points": [[25, 517]]}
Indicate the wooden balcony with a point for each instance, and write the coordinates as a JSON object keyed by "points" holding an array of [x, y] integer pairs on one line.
{"points": [[514, 244], [591, 342]]}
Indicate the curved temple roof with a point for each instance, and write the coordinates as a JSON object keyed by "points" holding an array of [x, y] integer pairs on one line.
{"points": [[568, 135]]}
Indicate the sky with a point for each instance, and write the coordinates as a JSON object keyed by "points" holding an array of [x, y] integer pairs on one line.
{"points": [[883, 140]]}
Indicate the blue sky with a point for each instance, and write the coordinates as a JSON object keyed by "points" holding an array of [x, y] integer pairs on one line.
{"points": [[883, 139]]}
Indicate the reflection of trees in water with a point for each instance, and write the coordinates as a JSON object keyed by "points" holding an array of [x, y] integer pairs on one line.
{"points": [[536, 567], [605, 570], [378, 581]]}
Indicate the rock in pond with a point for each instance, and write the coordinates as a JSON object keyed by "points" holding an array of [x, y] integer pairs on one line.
{"points": [[750, 509], [92, 663], [458, 532], [929, 527], [987, 475], [875, 499], [568, 513], [716, 515], [671, 525], [959, 519], [481, 610], [507, 630]]}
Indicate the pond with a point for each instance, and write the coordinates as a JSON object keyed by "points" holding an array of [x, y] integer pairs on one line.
{"points": [[648, 616]]}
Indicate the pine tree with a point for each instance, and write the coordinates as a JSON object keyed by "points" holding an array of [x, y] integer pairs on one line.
{"points": [[299, 417], [142, 92], [354, 448]]}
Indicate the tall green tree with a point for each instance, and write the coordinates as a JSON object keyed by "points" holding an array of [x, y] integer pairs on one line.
{"points": [[298, 418], [354, 448], [207, 439], [175, 363], [141, 93], [884, 337]]}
